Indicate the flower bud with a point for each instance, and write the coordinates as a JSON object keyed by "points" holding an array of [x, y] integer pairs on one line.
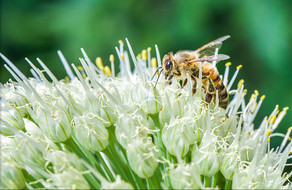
{"points": [[11, 177], [184, 176], [32, 129], [151, 101], [62, 160], [228, 162], [11, 120], [70, 179], [118, 184], [205, 157], [178, 136], [54, 124], [129, 128], [142, 156], [90, 132], [25, 150]]}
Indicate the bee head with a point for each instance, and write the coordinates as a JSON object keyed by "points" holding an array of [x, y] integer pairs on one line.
{"points": [[168, 64]]}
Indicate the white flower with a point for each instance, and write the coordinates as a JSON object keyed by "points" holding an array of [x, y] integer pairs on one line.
{"points": [[98, 130]]}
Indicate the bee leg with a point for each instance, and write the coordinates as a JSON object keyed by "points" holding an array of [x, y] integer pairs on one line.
{"points": [[210, 91], [194, 89], [184, 83]]}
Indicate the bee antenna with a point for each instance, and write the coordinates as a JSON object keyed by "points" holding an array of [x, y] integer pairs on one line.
{"points": [[158, 78], [156, 72]]}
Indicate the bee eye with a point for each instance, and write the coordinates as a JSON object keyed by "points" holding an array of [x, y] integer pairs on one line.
{"points": [[168, 64]]}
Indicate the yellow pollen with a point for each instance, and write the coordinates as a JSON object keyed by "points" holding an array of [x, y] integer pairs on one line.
{"points": [[139, 56], [149, 49], [227, 64], [153, 62], [277, 111], [269, 132], [253, 96], [144, 54], [98, 63], [263, 97], [272, 119], [80, 68], [240, 83], [277, 106], [84, 75], [67, 79], [290, 128], [122, 56], [269, 139], [285, 108], [248, 133], [239, 67], [289, 138], [111, 58], [121, 42], [245, 91], [256, 92], [107, 70]]}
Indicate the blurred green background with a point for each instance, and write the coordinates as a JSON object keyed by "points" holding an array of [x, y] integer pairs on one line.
{"points": [[260, 36]]}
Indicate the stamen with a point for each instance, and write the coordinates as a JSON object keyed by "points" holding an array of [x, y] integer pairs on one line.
{"points": [[98, 63], [144, 55], [112, 58], [225, 79], [66, 65], [153, 62], [285, 140], [280, 117], [40, 74], [123, 69], [107, 71], [234, 77], [137, 66], [149, 56], [80, 78], [35, 75], [121, 46], [51, 75], [158, 56]]}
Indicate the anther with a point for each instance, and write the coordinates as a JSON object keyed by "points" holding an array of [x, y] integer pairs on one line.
{"points": [[121, 42], [239, 67], [98, 63], [107, 70], [144, 54], [269, 132], [153, 62], [240, 83], [272, 119], [80, 68], [227, 64], [111, 58]]}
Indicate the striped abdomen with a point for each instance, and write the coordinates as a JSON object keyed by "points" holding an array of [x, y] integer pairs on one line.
{"points": [[214, 83]]}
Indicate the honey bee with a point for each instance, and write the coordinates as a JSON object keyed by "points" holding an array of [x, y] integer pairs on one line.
{"points": [[188, 62]]}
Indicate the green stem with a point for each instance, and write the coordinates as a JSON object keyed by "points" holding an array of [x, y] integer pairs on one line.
{"points": [[118, 158], [228, 184], [214, 180], [74, 146], [206, 181], [163, 151], [106, 168]]}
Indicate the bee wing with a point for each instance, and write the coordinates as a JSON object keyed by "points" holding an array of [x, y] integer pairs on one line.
{"points": [[211, 58], [210, 48]]}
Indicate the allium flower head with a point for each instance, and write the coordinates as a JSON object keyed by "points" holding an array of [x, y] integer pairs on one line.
{"points": [[98, 129]]}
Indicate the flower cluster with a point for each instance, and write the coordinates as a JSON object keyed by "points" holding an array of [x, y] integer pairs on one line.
{"points": [[97, 130]]}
